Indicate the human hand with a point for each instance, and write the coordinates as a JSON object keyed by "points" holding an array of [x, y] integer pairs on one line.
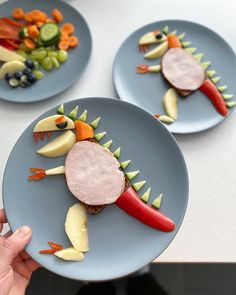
{"points": [[16, 266]]}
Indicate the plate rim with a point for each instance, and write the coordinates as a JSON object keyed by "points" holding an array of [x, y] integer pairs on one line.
{"points": [[197, 130], [73, 81], [185, 172]]}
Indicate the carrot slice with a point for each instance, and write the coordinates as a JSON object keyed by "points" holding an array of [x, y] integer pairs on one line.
{"points": [[64, 36], [28, 17], [83, 131], [64, 45], [39, 24], [57, 16], [29, 43], [36, 15], [73, 41], [68, 28], [49, 20], [18, 13], [43, 17], [173, 42], [33, 32]]}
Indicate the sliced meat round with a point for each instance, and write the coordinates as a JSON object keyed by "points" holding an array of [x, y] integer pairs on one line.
{"points": [[93, 175], [182, 70]]}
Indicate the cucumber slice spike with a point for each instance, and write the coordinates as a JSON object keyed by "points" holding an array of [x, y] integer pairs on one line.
{"points": [[206, 64], [117, 153], [186, 44], [95, 122], [145, 196], [61, 109], [157, 202], [227, 96], [173, 33], [131, 175], [73, 114], [165, 30], [138, 185], [107, 144], [215, 79], [125, 164], [191, 50], [99, 136], [211, 73], [231, 104], [222, 88], [83, 116], [181, 36], [198, 56]]}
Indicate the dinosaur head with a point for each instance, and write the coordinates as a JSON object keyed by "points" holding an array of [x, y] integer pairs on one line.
{"points": [[155, 37]]}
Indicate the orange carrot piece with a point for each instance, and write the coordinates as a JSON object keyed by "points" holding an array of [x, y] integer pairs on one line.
{"points": [[55, 246], [18, 13], [60, 119], [83, 131], [43, 17], [39, 24], [36, 170], [36, 15], [64, 45], [28, 17], [33, 31], [29, 43], [64, 36], [57, 16], [49, 20], [48, 251], [173, 42], [68, 28], [73, 41]]}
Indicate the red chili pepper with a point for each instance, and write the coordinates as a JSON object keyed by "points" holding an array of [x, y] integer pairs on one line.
{"points": [[55, 246], [12, 43], [48, 251], [210, 90], [12, 22], [6, 44], [130, 202]]}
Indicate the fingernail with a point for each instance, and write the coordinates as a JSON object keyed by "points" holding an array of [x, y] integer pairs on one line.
{"points": [[24, 231]]}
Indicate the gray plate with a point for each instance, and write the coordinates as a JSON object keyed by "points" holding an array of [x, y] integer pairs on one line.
{"points": [[119, 244], [57, 80], [196, 113]]}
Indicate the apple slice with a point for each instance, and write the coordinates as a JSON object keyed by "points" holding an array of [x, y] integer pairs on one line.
{"points": [[49, 124], [158, 51], [70, 254], [8, 55], [11, 67], [170, 101], [76, 227], [60, 146]]}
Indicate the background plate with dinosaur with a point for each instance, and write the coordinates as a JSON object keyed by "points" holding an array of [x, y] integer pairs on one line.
{"points": [[119, 244], [196, 112], [57, 80]]}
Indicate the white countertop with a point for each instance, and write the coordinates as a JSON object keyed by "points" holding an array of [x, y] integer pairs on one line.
{"points": [[208, 233]]}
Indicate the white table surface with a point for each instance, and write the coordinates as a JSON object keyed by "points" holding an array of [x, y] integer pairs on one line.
{"points": [[208, 233]]}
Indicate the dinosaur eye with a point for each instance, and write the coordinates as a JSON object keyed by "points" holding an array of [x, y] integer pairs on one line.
{"points": [[61, 122], [159, 36]]}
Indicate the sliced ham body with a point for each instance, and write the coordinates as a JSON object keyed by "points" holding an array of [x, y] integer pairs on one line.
{"points": [[182, 70], [93, 175]]}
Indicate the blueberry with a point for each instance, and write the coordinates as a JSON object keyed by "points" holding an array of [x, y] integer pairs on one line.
{"points": [[18, 75], [27, 71], [9, 76], [29, 63], [31, 78], [159, 36]]}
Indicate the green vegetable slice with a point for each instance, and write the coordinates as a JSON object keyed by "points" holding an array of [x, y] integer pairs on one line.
{"points": [[99, 136], [191, 50], [73, 114], [227, 96], [125, 164], [231, 104], [222, 88], [83, 116], [138, 185], [117, 153], [145, 196], [157, 202], [95, 122], [131, 175], [198, 56], [206, 64], [61, 109], [215, 79], [108, 144], [49, 32], [186, 44], [181, 36], [211, 73], [165, 30]]}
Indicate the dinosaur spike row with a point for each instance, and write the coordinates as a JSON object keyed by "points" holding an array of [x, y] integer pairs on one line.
{"points": [[130, 202]]}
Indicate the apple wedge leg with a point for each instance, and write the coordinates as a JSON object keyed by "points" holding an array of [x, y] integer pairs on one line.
{"points": [[39, 173]]}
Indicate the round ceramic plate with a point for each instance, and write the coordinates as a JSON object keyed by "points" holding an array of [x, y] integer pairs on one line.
{"points": [[119, 244], [196, 113], [57, 80]]}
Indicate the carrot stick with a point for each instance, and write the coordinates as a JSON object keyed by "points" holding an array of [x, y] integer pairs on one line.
{"points": [[48, 251], [55, 246]]}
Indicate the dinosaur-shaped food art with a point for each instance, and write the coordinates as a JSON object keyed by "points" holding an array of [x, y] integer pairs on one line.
{"points": [[182, 68]]}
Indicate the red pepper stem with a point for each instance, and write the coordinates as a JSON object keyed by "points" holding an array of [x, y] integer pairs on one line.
{"points": [[130, 202], [211, 91]]}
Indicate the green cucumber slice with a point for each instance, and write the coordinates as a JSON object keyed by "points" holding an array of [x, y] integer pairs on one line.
{"points": [[198, 56], [231, 104], [211, 73], [73, 114], [95, 122], [222, 88], [173, 33], [227, 96], [191, 50], [165, 30], [117, 153], [23, 32], [99, 136], [61, 109], [157, 202], [181, 36], [138, 185], [145, 196], [215, 79], [49, 32], [108, 144], [125, 164], [206, 64], [83, 116], [131, 175], [186, 44]]}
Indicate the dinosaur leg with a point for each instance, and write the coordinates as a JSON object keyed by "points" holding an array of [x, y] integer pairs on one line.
{"points": [[143, 69], [39, 173]]}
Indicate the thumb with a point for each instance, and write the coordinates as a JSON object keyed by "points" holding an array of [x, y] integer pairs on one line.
{"points": [[13, 245]]}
